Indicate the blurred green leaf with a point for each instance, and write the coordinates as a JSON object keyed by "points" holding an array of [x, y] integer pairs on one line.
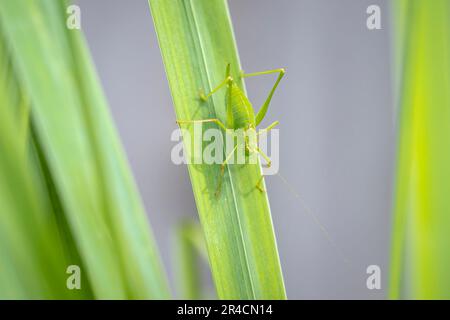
{"points": [[67, 194], [190, 247], [421, 238]]}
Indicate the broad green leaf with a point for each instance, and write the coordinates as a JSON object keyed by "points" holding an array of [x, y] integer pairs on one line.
{"points": [[421, 238], [197, 43]]}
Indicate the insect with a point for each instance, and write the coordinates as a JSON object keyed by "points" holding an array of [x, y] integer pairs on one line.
{"points": [[241, 115]]}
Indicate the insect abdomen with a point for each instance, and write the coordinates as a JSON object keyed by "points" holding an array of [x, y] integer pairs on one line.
{"points": [[243, 115]]}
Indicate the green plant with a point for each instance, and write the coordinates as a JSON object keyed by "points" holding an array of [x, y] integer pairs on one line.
{"points": [[420, 257], [66, 194], [190, 252], [197, 42]]}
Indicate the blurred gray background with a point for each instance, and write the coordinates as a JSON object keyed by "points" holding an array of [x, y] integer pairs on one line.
{"points": [[337, 135]]}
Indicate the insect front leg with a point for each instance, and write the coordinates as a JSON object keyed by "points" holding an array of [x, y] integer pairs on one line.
{"points": [[262, 112], [224, 83], [268, 128]]}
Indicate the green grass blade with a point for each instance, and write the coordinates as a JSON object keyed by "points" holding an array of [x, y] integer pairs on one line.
{"points": [[190, 247], [197, 43], [82, 166], [420, 248]]}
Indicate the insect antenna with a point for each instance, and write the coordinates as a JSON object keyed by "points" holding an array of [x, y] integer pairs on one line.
{"points": [[315, 218]]}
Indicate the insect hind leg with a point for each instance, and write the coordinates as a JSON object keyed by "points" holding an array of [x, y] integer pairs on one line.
{"points": [[222, 170], [269, 163], [263, 110]]}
